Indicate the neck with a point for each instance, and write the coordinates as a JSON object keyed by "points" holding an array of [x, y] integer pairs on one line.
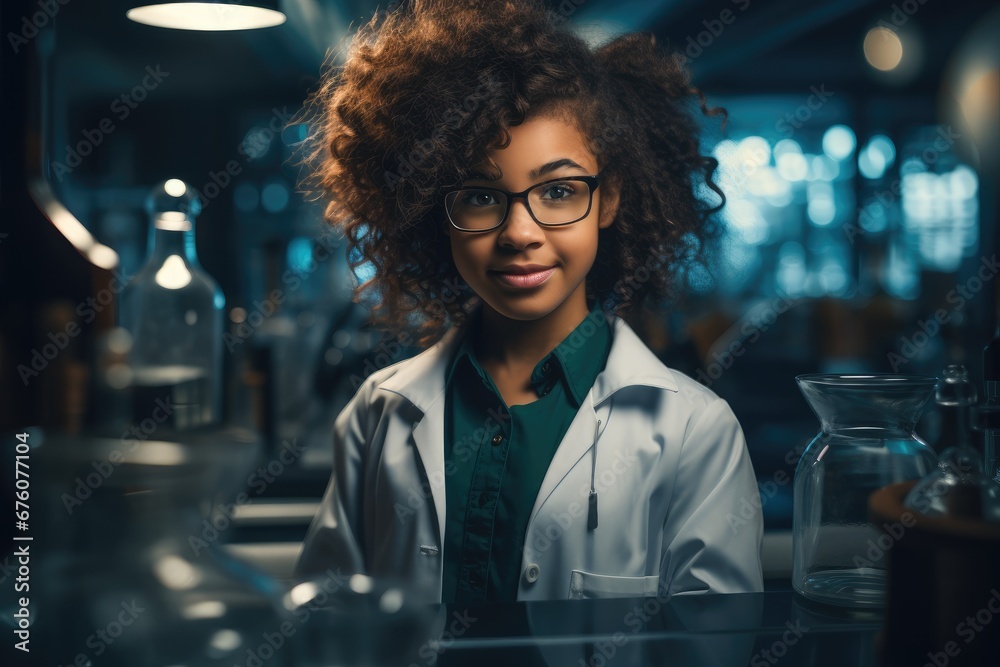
{"points": [[515, 343]]}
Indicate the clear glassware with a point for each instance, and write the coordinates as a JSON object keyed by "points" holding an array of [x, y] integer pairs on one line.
{"points": [[955, 397], [353, 620], [173, 309], [866, 442], [957, 488], [134, 573]]}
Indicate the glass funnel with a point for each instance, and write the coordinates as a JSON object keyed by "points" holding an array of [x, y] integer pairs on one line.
{"points": [[866, 442]]}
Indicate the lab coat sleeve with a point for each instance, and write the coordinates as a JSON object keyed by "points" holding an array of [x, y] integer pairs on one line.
{"points": [[714, 527], [335, 537]]}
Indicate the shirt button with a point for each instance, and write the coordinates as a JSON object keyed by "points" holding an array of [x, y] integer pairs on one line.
{"points": [[483, 499], [497, 439], [531, 573], [546, 367]]}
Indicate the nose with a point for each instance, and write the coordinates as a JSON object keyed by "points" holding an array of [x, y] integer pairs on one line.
{"points": [[520, 230]]}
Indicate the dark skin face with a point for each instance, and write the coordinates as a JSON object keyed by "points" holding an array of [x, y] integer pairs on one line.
{"points": [[522, 325]]}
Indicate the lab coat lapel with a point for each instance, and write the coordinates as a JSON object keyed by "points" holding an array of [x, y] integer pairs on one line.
{"points": [[428, 438], [421, 381], [630, 362], [578, 440]]}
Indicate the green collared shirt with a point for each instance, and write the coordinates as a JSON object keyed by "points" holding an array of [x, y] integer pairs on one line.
{"points": [[497, 456]]}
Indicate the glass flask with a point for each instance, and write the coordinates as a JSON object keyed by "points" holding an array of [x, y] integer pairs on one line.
{"points": [[866, 442], [173, 309]]}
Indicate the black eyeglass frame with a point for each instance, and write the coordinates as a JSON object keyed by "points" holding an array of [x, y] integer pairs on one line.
{"points": [[592, 183]]}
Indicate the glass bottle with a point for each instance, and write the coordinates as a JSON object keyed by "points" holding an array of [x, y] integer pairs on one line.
{"points": [[173, 309], [866, 442], [955, 397]]}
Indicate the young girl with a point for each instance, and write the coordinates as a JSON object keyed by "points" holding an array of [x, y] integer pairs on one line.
{"points": [[517, 193]]}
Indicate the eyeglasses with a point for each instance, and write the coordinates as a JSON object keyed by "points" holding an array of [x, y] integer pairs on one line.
{"points": [[560, 201]]}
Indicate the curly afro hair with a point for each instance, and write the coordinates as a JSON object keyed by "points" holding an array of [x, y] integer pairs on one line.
{"points": [[429, 88]]}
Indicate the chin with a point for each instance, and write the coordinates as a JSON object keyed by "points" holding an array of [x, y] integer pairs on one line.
{"points": [[524, 309]]}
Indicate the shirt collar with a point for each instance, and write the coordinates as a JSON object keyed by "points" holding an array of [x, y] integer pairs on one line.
{"points": [[422, 379], [581, 355], [465, 348], [578, 358]]}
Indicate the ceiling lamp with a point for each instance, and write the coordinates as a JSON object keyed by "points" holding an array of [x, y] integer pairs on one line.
{"points": [[210, 15]]}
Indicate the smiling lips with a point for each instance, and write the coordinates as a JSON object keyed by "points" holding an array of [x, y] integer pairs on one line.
{"points": [[524, 275]]}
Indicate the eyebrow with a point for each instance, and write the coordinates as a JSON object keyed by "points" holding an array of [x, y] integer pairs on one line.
{"points": [[534, 174]]}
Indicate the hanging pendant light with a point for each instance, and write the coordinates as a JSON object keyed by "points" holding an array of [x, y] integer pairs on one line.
{"points": [[210, 15]]}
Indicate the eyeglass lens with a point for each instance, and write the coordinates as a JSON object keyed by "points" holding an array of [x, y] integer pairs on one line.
{"points": [[560, 202]]}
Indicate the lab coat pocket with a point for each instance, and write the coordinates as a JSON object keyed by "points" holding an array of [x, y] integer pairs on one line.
{"points": [[587, 585]]}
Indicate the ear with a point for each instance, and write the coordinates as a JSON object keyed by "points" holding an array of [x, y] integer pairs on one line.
{"points": [[610, 193]]}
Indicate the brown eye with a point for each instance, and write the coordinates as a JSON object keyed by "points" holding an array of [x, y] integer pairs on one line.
{"points": [[558, 191]]}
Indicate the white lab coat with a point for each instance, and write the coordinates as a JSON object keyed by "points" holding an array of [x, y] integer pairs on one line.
{"points": [[678, 506]]}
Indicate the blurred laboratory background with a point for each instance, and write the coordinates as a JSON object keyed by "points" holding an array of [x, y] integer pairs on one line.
{"points": [[858, 160]]}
